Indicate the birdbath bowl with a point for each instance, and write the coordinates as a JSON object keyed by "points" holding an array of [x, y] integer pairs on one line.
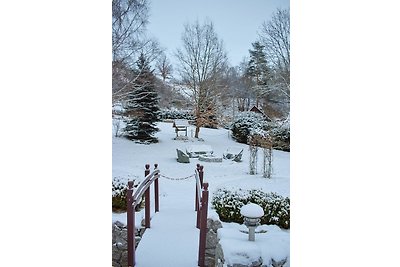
{"points": [[252, 214]]}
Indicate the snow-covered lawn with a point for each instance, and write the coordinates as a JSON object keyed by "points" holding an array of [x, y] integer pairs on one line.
{"points": [[177, 193]]}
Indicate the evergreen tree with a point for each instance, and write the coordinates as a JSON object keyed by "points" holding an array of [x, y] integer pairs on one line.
{"points": [[142, 106], [258, 71]]}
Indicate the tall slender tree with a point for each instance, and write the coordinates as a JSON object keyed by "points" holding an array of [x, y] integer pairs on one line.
{"points": [[201, 62], [142, 107], [258, 71]]}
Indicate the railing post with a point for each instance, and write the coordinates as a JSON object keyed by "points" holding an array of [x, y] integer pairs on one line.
{"points": [[130, 224], [196, 201], [203, 225], [156, 197], [147, 200], [201, 174], [147, 169]]}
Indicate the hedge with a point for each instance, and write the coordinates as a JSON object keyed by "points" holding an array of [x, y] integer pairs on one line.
{"points": [[276, 208]]}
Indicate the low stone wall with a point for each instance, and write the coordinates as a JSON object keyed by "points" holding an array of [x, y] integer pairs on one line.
{"points": [[211, 241], [120, 243]]}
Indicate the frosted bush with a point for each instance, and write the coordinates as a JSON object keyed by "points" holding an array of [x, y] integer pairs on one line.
{"points": [[228, 203], [176, 114], [251, 123], [118, 194], [246, 123]]}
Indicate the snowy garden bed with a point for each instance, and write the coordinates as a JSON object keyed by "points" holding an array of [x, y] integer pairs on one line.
{"points": [[228, 245], [270, 248]]}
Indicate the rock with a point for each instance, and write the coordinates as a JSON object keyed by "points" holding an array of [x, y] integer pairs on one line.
{"points": [[122, 246], [213, 224], [278, 263], [211, 239], [219, 256], [124, 259], [182, 157], [210, 158], [116, 254], [119, 224]]}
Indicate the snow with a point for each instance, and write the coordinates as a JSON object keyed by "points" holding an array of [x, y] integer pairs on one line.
{"points": [[270, 243], [252, 210], [199, 148], [176, 220], [181, 122]]}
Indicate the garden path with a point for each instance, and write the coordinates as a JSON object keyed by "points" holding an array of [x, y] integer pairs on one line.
{"points": [[173, 228]]}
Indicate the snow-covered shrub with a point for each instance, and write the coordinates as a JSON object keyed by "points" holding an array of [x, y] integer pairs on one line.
{"points": [[249, 123], [118, 125], [246, 123], [280, 134], [281, 138], [118, 195], [276, 208], [176, 114], [118, 108]]}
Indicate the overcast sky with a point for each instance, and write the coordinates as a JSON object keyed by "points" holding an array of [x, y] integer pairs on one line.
{"points": [[236, 21]]}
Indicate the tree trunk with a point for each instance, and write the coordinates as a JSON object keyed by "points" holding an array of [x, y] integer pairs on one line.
{"points": [[196, 134]]}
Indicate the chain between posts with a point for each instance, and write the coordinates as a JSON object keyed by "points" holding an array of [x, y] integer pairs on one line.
{"points": [[177, 179]]}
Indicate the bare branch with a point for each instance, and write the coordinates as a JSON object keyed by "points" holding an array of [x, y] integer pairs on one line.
{"points": [[201, 62]]}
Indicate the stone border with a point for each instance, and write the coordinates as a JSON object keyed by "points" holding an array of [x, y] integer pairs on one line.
{"points": [[120, 243], [209, 158]]}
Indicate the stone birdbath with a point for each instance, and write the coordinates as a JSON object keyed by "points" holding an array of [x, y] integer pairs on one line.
{"points": [[252, 214]]}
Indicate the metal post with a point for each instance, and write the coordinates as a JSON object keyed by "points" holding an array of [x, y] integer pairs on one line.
{"points": [[156, 196], [147, 200], [130, 224], [203, 225]]}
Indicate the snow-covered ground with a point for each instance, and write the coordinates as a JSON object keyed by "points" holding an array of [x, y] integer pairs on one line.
{"points": [[177, 192]]}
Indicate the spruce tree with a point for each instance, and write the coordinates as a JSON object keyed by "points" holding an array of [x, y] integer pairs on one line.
{"points": [[258, 70], [142, 106]]}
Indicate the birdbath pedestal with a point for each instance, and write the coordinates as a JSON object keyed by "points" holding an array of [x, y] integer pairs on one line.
{"points": [[252, 214]]}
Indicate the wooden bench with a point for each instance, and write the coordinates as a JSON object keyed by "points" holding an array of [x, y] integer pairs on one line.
{"points": [[180, 126]]}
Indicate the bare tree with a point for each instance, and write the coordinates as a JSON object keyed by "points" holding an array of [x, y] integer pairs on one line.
{"points": [[201, 62], [129, 19], [151, 50], [129, 40], [275, 36], [164, 67]]}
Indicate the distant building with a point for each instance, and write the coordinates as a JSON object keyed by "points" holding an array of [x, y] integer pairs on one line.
{"points": [[257, 110]]}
